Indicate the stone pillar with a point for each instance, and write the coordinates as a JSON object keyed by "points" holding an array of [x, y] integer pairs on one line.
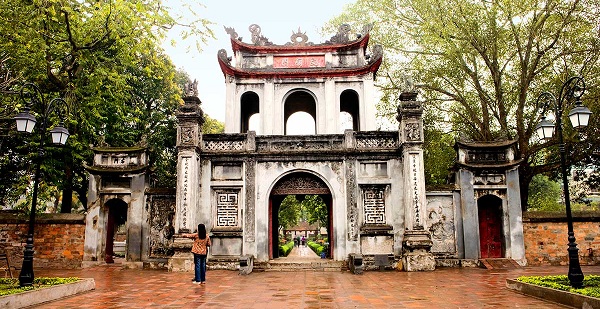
{"points": [[417, 242], [189, 142]]}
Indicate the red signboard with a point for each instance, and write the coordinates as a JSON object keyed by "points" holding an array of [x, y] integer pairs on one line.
{"points": [[292, 62]]}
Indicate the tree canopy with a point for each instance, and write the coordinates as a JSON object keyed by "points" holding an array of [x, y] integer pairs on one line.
{"points": [[480, 66], [104, 58]]}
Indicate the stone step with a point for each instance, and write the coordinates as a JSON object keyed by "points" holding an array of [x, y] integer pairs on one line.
{"points": [[499, 263], [327, 265]]}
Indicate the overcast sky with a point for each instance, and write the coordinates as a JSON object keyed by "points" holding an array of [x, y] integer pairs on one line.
{"points": [[277, 19]]}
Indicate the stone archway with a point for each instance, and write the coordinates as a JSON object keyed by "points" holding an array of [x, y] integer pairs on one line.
{"points": [[116, 227], [297, 183]]}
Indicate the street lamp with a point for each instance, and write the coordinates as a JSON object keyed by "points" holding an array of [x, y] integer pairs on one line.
{"points": [[33, 97], [571, 90]]}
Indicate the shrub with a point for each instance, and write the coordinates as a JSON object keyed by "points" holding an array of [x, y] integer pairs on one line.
{"points": [[316, 247], [591, 284], [284, 250], [9, 286]]}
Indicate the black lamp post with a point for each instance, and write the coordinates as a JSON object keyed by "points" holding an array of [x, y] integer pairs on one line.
{"points": [[32, 97], [571, 90]]}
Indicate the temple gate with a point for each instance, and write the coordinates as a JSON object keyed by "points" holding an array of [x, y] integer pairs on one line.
{"points": [[371, 181]]}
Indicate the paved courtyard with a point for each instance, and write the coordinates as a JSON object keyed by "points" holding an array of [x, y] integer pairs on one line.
{"points": [[443, 288]]}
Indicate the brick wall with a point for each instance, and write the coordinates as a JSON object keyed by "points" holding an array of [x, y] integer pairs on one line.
{"points": [[546, 240], [58, 239]]}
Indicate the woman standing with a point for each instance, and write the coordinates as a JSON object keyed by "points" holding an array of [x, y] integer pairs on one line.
{"points": [[200, 250]]}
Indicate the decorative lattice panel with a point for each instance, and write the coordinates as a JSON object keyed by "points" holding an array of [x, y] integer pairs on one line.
{"points": [[227, 207], [376, 142], [374, 205], [223, 145]]}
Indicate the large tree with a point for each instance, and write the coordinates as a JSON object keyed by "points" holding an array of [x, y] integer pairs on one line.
{"points": [[482, 64], [103, 57]]}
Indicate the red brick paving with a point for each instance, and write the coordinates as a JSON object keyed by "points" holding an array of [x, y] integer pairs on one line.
{"points": [[443, 288]]}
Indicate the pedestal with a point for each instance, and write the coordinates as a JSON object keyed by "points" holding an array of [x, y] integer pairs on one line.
{"points": [[416, 248], [182, 259]]}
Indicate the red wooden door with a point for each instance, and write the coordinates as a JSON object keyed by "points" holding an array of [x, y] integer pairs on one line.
{"points": [[490, 232]]}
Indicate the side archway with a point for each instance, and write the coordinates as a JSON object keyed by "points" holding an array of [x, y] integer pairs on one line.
{"points": [[116, 229], [249, 104], [491, 240]]}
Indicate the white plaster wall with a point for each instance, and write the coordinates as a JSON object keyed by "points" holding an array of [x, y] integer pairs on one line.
{"points": [[272, 95], [268, 173], [394, 200]]}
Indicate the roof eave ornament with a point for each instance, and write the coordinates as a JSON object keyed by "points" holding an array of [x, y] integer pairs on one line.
{"points": [[257, 38], [232, 34]]}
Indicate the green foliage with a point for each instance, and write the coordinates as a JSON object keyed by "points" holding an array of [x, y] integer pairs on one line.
{"points": [[316, 247], [438, 152], [544, 194], [105, 59], [591, 284], [480, 65], [289, 212], [212, 126], [9, 286], [316, 210], [284, 250]]}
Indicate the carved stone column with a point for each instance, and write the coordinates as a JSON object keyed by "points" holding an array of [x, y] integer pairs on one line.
{"points": [[189, 141], [416, 246]]}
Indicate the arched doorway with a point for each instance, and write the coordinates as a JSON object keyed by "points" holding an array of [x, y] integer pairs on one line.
{"points": [[302, 103], [300, 184], [116, 230], [490, 226]]}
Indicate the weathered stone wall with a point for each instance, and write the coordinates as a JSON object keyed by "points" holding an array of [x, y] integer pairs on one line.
{"points": [[58, 239], [546, 241]]}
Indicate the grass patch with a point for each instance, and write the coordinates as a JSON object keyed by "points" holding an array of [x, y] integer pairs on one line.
{"points": [[591, 284], [9, 286]]}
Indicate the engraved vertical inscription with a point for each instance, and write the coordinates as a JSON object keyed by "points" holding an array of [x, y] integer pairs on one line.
{"points": [[351, 198], [250, 192], [227, 208], [415, 193], [374, 205], [186, 192]]}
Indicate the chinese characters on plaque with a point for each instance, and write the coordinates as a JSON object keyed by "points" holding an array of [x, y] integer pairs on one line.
{"points": [[290, 62]]}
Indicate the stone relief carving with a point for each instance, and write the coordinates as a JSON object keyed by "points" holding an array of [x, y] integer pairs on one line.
{"points": [[162, 213], [257, 38], [374, 204], [440, 219], [412, 131], [496, 179], [187, 136], [300, 184], [250, 196]]}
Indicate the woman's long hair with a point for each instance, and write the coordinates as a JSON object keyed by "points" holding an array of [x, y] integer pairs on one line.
{"points": [[201, 231]]}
